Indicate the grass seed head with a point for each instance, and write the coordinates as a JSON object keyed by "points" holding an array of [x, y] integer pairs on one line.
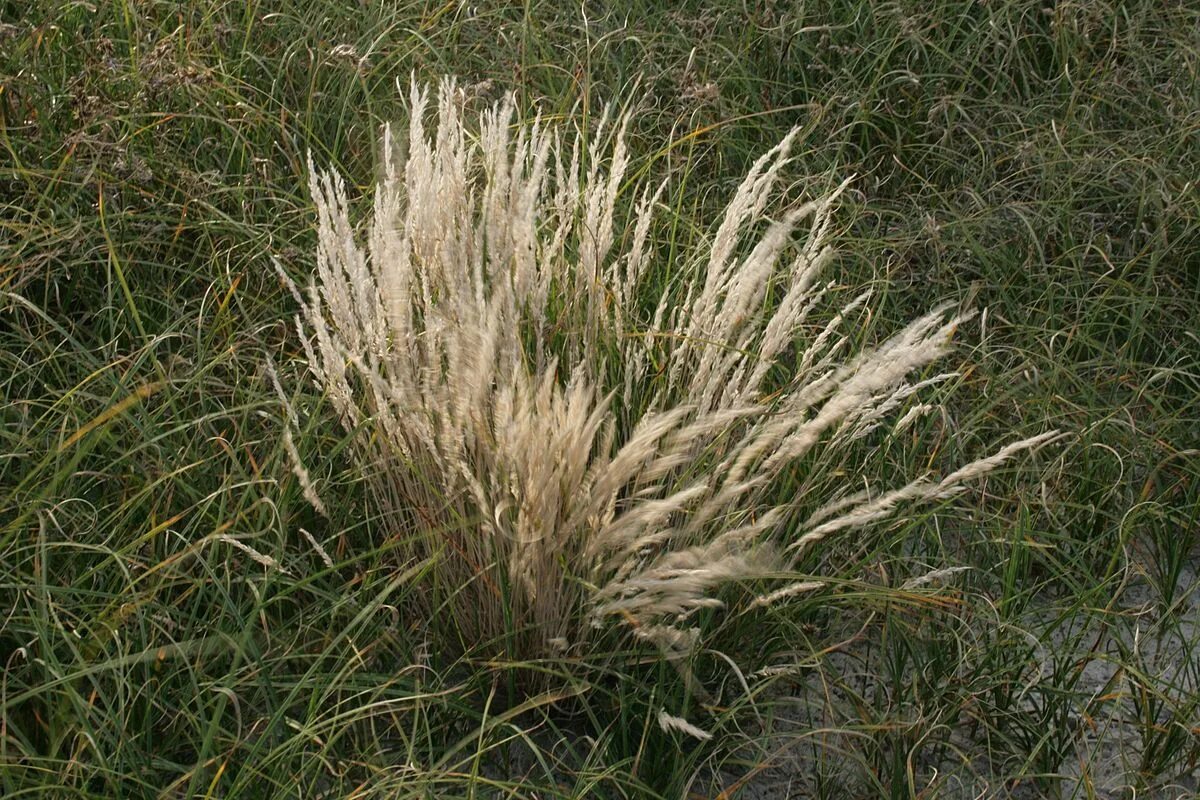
{"points": [[565, 455]]}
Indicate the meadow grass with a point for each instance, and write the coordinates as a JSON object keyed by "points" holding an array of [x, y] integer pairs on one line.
{"points": [[166, 628]]}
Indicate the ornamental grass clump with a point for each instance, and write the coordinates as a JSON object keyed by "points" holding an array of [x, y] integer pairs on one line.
{"points": [[570, 441]]}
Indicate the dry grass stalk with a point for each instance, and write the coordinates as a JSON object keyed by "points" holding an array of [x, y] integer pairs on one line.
{"points": [[567, 455]]}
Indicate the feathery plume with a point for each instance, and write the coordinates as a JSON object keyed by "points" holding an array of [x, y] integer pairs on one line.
{"points": [[672, 723], [517, 404]]}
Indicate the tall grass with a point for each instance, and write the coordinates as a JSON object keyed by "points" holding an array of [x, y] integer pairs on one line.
{"points": [[560, 455]]}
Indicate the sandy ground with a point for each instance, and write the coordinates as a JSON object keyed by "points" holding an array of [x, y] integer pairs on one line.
{"points": [[1158, 642]]}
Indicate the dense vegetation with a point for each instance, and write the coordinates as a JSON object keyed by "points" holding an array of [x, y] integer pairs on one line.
{"points": [[169, 623]]}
